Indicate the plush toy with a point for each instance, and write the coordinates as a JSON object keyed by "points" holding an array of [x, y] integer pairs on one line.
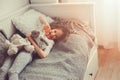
{"points": [[40, 38], [42, 41], [18, 42]]}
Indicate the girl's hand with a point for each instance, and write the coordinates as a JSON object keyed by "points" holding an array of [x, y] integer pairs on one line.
{"points": [[46, 28]]}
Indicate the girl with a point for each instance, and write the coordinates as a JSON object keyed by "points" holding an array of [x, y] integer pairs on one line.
{"points": [[52, 32]]}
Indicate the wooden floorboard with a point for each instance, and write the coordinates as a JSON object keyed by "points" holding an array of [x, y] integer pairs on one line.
{"points": [[109, 64]]}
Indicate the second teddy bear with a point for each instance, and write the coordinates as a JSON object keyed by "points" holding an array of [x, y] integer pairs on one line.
{"points": [[16, 43]]}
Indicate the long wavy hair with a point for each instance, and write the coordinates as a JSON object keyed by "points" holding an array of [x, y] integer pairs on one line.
{"points": [[66, 32]]}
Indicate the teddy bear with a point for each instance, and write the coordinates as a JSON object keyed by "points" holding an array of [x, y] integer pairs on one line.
{"points": [[16, 43], [41, 40]]}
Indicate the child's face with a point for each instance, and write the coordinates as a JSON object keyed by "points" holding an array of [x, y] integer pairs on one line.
{"points": [[55, 34]]}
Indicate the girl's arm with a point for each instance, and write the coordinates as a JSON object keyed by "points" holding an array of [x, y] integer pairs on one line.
{"points": [[39, 51], [46, 27]]}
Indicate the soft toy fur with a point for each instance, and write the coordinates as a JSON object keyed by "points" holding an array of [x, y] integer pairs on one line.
{"points": [[17, 42]]}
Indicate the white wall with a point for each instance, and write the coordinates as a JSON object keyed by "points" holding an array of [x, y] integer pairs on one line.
{"points": [[7, 6], [57, 1], [74, 1], [106, 18], [44, 1]]}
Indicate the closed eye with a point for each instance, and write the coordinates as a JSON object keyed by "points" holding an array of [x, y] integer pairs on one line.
{"points": [[55, 31]]}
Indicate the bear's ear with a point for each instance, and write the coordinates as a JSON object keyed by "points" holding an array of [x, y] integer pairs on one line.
{"points": [[15, 36], [35, 34]]}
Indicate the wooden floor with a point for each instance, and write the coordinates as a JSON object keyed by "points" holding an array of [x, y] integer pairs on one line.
{"points": [[109, 64]]}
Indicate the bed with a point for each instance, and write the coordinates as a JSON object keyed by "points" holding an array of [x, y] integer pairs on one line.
{"points": [[75, 59]]}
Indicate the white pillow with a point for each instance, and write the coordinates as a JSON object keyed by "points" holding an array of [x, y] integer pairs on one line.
{"points": [[29, 21]]}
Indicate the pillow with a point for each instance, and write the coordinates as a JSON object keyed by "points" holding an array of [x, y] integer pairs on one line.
{"points": [[29, 21]]}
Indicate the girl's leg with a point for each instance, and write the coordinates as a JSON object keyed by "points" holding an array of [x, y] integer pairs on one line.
{"points": [[22, 59], [5, 67]]}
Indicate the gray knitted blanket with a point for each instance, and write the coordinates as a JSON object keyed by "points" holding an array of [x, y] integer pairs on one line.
{"points": [[67, 60]]}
